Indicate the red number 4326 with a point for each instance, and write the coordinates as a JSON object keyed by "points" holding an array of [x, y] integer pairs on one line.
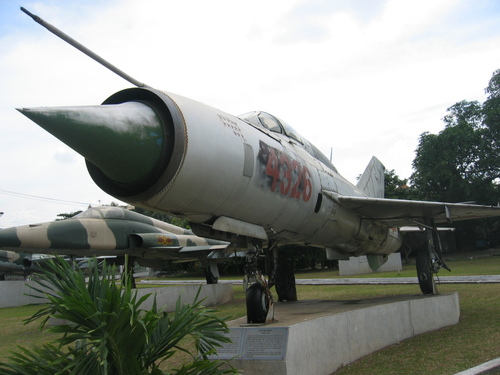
{"points": [[288, 175]]}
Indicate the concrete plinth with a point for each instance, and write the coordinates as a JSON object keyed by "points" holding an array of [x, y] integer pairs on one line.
{"points": [[166, 297], [318, 337], [17, 293], [359, 265]]}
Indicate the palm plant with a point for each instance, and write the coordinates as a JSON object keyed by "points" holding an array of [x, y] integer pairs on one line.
{"points": [[106, 332]]}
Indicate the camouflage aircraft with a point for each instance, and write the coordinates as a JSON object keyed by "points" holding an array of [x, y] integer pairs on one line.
{"points": [[114, 231], [12, 263], [249, 179]]}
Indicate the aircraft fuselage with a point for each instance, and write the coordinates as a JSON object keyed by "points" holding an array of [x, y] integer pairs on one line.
{"points": [[240, 177]]}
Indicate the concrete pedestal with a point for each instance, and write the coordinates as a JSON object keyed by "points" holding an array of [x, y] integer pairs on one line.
{"points": [[18, 293], [318, 337], [359, 265], [166, 297]]}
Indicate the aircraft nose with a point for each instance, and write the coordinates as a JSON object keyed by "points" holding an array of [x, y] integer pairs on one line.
{"points": [[124, 140]]}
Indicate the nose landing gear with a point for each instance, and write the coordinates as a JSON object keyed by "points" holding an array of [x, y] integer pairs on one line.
{"points": [[258, 296]]}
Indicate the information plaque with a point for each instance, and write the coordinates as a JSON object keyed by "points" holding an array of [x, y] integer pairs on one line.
{"points": [[254, 343]]}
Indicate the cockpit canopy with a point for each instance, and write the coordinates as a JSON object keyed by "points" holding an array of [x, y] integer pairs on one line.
{"points": [[103, 212], [274, 124]]}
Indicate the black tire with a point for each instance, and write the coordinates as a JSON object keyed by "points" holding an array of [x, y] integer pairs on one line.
{"points": [[257, 304], [424, 273]]}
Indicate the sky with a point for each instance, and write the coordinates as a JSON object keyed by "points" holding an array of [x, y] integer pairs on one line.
{"points": [[356, 78]]}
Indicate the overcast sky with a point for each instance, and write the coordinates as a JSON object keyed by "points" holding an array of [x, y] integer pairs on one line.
{"points": [[360, 77]]}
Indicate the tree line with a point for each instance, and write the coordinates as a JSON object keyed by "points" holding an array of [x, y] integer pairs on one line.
{"points": [[459, 164]]}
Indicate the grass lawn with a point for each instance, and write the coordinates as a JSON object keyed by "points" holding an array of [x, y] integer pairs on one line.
{"points": [[474, 340]]}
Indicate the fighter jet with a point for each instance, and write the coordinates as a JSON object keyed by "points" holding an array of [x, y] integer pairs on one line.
{"points": [[115, 231], [12, 263], [250, 179]]}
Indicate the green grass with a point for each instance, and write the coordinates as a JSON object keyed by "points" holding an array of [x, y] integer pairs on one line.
{"points": [[474, 340], [16, 333], [460, 267]]}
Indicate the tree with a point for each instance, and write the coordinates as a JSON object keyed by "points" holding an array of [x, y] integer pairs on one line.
{"points": [[108, 333], [491, 113], [183, 223], [65, 216], [462, 162], [396, 188]]}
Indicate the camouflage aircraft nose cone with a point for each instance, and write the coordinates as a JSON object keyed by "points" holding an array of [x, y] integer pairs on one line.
{"points": [[124, 140]]}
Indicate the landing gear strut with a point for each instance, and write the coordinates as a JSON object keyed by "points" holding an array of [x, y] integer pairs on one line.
{"points": [[129, 266], [258, 295], [429, 261], [283, 276], [212, 273], [425, 272]]}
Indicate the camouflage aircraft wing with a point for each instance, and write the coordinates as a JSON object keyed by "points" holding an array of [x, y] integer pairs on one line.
{"points": [[168, 245], [400, 212]]}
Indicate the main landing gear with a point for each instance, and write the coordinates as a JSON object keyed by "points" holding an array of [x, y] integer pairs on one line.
{"points": [[259, 299], [211, 272], [429, 261]]}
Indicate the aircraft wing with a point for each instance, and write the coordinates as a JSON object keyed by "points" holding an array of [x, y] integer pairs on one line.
{"points": [[174, 252], [400, 212]]}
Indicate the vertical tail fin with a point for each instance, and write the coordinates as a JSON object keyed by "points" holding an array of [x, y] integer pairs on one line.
{"points": [[372, 180]]}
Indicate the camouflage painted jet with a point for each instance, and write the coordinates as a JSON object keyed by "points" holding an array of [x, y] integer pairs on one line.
{"points": [[12, 263], [249, 179], [114, 231]]}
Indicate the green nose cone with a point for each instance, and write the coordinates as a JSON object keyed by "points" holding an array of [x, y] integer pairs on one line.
{"points": [[124, 140]]}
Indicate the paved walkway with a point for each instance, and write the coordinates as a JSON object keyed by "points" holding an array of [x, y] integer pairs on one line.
{"points": [[490, 368], [483, 279]]}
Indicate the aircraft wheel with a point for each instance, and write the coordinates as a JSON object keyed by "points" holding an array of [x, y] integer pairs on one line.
{"points": [[424, 273], [257, 304]]}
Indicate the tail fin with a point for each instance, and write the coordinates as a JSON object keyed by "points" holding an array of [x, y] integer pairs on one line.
{"points": [[372, 180]]}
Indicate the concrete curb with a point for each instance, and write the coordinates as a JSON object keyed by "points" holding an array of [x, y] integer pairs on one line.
{"points": [[18, 293], [490, 367]]}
